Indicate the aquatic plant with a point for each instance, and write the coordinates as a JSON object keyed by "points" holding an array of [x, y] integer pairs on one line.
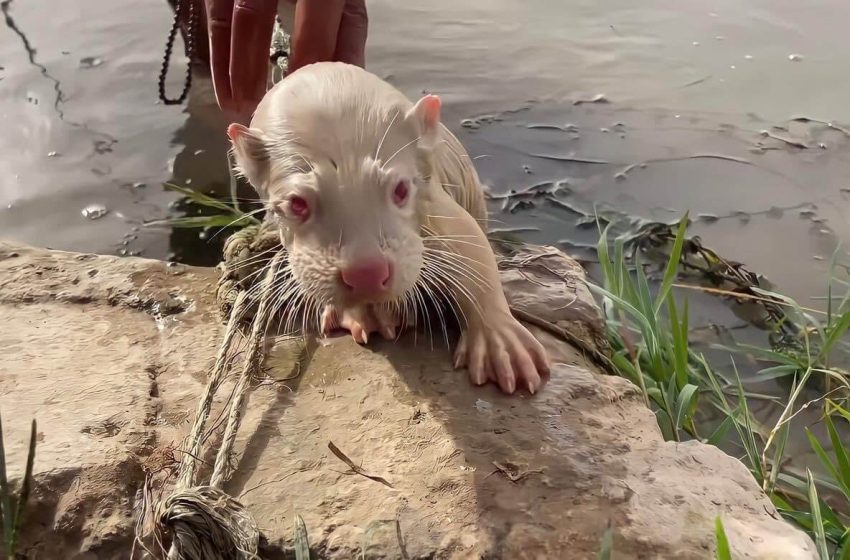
{"points": [[649, 340], [219, 213], [652, 353]]}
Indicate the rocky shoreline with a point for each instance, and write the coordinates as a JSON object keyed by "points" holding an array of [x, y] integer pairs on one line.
{"points": [[110, 354]]}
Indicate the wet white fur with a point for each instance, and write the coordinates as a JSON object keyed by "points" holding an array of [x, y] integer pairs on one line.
{"points": [[342, 139]]}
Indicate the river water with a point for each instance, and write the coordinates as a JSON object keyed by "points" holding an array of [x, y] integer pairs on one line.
{"points": [[84, 133]]}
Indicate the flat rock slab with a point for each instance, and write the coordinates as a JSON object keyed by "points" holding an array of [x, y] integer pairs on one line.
{"points": [[110, 355]]}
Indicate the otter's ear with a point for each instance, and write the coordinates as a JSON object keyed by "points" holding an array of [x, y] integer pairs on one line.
{"points": [[252, 155], [426, 115]]}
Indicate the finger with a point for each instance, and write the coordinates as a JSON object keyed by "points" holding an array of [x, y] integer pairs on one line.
{"points": [[253, 23], [460, 352], [477, 350], [386, 321], [359, 318], [524, 367], [314, 35], [500, 361], [359, 334], [537, 351], [351, 38], [219, 24], [330, 321]]}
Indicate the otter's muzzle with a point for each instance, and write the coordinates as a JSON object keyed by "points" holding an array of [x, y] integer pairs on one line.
{"points": [[368, 279]]}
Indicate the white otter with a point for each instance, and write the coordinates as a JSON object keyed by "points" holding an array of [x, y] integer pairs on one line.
{"points": [[380, 209]]}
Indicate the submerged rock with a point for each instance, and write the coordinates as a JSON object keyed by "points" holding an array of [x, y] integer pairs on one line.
{"points": [[110, 356]]}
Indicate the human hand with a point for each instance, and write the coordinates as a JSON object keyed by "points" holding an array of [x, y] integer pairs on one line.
{"points": [[326, 30], [240, 34]]}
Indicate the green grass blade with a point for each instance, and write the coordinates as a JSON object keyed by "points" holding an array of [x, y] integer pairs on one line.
{"points": [[668, 432], [200, 198], [837, 408], [833, 335], [778, 454], [817, 520], [748, 433], [642, 379], [742, 426], [721, 542], [302, 545], [621, 272], [680, 349], [606, 547], [832, 524], [626, 306], [218, 220], [719, 434], [777, 372], [608, 275], [843, 550], [685, 403], [842, 476], [821, 453], [770, 355], [673, 263], [6, 508], [26, 486]]}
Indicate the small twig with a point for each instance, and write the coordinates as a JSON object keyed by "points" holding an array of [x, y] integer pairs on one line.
{"points": [[745, 296], [266, 483], [811, 402], [829, 124], [571, 159], [789, 141], [354, 468], [697, 81], [512, 472]]}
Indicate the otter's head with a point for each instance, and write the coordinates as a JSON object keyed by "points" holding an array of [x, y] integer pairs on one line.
{"points": [[341, 169]]}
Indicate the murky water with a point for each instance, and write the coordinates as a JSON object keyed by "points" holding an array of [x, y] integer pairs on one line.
{"points": [[86, 147]]}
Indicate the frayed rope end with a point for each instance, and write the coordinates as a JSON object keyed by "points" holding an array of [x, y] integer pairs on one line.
{"points": [[207, 524]]}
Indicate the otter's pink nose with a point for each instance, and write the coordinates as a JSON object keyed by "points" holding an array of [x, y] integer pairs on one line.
{"points": [[367, 277]]}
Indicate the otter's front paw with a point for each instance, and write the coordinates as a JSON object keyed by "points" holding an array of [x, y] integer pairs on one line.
{"points": [[499, 348], [361, 321]]}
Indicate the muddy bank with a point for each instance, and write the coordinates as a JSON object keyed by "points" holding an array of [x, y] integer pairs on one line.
{"points": [[110, 355]]}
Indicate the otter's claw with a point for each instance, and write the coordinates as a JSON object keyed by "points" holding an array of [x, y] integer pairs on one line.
{"points": [[361, 321], [501, 349]]}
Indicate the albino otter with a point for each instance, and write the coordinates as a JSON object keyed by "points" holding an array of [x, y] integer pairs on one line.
{"points": [[381, 209]]}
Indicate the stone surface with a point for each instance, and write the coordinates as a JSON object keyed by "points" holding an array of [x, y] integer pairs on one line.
{"points": [[110, 355]]}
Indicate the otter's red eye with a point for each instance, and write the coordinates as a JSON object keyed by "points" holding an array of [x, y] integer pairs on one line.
{"points": [[299, 207], [400, 193]]}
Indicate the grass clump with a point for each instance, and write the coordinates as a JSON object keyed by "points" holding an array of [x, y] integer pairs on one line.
{"points": [[218, 214], [12, 506], [649, 339]]}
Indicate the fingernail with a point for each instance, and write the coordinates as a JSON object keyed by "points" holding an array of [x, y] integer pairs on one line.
{"points": [[511, 386]]}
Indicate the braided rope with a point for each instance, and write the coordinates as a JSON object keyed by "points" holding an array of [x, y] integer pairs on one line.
{"points": [[246, 253], [205, 522]]}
